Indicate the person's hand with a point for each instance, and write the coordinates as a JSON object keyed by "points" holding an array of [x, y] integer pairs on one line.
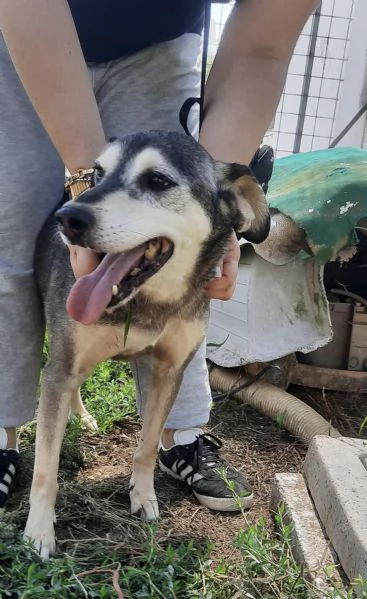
{"points": [[83, 260], [222, 287]]}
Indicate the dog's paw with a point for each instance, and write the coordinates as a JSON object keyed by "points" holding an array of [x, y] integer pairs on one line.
{"points": [[89, 422], [144, 504], [39, 531]]}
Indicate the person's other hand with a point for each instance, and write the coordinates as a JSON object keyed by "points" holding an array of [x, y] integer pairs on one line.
{"points": [[83, 260], [222, 287]]}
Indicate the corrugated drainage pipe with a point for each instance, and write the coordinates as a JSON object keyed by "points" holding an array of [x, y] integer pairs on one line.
{"points": [[296, 416]]}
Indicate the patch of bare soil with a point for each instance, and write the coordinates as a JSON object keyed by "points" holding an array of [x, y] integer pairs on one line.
{"points": [[251, 442]]}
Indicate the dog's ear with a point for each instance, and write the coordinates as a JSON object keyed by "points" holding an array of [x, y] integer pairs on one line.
{"points": [[241, 193]]}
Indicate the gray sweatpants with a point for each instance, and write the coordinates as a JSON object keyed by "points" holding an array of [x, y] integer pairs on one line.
{"points": [[144, 91]]}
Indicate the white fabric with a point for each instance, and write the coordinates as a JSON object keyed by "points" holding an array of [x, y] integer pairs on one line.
{"points": [[275, 311], [3, 438], [186, 436]]}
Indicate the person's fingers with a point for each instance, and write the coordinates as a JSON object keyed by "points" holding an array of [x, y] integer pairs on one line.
{"points": [[234, 252], [83, 261], [219, 271], [223, 288]]}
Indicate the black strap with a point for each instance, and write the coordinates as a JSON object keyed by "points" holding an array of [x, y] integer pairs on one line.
{"points": [[190, 102], [204, 60]]}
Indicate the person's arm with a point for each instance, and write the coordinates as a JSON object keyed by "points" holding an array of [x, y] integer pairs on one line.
{"points": [[45, 50], [249, 73], [244, 88]]}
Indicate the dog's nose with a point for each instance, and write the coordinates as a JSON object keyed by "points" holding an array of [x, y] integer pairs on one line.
{"points": [[74, 222]]}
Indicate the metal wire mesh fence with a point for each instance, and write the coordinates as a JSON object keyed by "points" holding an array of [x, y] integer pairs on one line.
{"points": [[306, 113]]}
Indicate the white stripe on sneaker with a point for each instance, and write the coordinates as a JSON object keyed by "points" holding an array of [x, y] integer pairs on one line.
{"points": [[189, 476], [4, 488], [186, 471], [194, 479], [7, 478]]}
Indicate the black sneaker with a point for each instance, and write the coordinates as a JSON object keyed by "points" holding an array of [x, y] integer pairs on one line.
{"points": [[8, 461], [216, 484]]}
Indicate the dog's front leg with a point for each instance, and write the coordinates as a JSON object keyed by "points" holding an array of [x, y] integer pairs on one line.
{"points": [[164, 387], [54, 407], [169, 360]]}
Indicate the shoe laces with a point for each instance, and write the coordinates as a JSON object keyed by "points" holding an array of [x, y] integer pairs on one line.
{"points": [[206, 448]]}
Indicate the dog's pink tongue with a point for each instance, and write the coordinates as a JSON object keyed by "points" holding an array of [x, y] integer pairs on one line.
{"points": [[91, 294]]}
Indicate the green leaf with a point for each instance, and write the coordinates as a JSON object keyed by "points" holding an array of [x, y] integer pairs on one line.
{"points": [[281, 418], [128, 322], [363, 425]]}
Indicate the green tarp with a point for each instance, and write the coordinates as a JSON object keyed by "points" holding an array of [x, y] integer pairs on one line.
{"points": [[325, 193]]}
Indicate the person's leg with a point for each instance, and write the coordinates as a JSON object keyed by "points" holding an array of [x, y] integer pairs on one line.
{"points": [[146, 91], [31, 176], [142, 92]]}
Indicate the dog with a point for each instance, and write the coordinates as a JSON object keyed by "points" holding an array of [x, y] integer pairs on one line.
{"points": [[160, 217]]}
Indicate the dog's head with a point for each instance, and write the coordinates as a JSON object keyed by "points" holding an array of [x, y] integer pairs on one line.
{"points": [[160, 201]]}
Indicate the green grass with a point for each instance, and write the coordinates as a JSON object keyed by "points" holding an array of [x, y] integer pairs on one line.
{"points": [[106, 553], [109, 394], [267, 570], [161, 573]]}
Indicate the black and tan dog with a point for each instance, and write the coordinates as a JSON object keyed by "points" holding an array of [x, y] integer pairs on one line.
{"points": [[161, 216]]}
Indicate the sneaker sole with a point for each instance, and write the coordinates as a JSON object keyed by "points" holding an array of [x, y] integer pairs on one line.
{"points": [[218, 504]]}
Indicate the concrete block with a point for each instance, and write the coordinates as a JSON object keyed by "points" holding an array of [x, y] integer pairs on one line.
{"points": [[309, 545], [337, 480]]}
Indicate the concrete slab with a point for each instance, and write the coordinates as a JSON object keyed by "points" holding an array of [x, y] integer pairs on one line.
{"points": [[337, 480], [309, 545]]}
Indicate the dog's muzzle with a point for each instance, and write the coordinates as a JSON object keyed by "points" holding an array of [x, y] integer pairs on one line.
{"points": [[118, 276], [74, 222]]}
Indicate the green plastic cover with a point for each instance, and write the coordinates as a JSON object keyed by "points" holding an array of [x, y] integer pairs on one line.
{"points": [[325, 193]]}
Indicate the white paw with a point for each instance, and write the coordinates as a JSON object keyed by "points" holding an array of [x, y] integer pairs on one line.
{"points": [[89, 422], [144, 503], [40, 531]]}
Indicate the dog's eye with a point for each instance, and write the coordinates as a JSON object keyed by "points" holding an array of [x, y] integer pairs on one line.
{"points": [[99, 173], [157, 182]]}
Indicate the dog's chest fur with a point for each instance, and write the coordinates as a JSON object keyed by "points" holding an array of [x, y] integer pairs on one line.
{"points": [[96, 343]]}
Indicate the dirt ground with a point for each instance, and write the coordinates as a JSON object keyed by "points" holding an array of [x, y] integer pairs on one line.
{"points": [[94, 503], [251, 441]]}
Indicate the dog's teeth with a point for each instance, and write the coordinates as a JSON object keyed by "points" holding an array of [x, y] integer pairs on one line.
{"points": [[152, 249], [166, 245], [115, 290], [135, 271]]}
